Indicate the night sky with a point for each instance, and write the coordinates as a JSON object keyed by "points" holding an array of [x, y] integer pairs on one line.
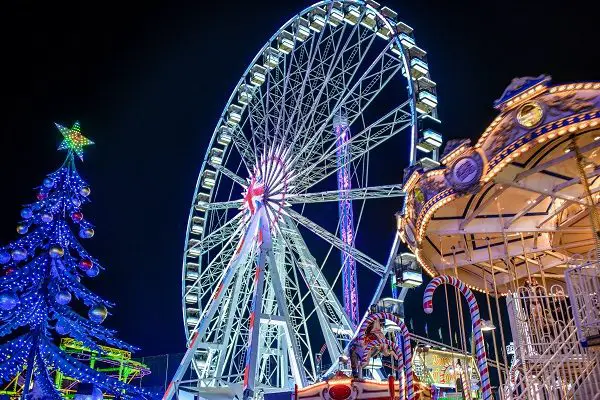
{"points": [[148, 84]]}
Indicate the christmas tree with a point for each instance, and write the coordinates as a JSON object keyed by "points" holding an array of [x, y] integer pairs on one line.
{"points": [[41, 285]]}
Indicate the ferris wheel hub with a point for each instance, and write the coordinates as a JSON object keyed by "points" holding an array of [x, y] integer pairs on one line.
{"points": [[268, 185]]}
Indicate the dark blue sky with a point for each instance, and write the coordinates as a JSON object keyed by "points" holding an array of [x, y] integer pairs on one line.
{"points": [[148, 84]]}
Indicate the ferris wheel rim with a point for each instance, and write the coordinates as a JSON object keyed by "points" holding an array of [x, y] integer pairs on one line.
{"points": [[205, 163]]}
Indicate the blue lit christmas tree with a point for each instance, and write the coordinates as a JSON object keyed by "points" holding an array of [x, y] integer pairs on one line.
{"points": [[41, 282]]}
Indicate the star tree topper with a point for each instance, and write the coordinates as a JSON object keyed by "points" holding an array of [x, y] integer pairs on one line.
{"points": [[73, 139]]}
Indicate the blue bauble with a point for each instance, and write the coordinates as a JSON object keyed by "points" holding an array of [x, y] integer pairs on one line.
{"points": [[56, 251], [98, 313], [48, 182], [76, 202], [26, 213], [85, 191], [22, 229], [8, 301], [19, 254], [86, 233], [93, 271], [97, 394], [62, 328], [47, 217], [63, 297], [4, 257]]}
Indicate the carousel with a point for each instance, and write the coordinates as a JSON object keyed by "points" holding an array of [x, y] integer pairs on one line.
{"points": [[514, 218]]}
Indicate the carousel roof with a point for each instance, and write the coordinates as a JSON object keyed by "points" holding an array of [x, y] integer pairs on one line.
{"points": [[512, 207]]}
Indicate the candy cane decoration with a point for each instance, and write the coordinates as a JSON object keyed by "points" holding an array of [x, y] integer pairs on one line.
{"points": [[475, 320], [407, 350]]}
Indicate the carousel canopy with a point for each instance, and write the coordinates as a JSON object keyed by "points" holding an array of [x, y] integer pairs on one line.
{"points": [[514, 206]]}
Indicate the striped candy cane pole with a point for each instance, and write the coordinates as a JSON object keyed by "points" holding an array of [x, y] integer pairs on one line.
{"points": [[475, 319], [406, 351], [397, 351]]}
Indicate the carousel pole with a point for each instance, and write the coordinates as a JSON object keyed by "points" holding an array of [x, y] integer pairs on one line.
{"points": [[461, 327], [448, 316]]}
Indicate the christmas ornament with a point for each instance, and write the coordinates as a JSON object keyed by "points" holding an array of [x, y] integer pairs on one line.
{"points": [[85, 264], [26, 213], [77, 216], [86, 233], [19, 254], [4, 257], [47, 217], [22, 229], [98, 313], [62, 328], [93, 271], [73, 141], [97, 394], [41, 196], [8, 301], [56, 251], [63, 297], [85, 191], [9, 271], [76, 202], [48, 183]]}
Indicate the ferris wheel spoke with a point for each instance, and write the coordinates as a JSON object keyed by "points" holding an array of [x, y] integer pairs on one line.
{"points": [[331, 86], [365, 193], [230, 174], [225, 205], [243, 146], [355, 101], [312, 75], [217, 236], [210, 274], [332, 239], [335, 323], [325, 164]]}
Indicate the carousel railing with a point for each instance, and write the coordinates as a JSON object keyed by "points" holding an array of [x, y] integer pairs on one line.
{"points": [[583, 285], [553, 364]]}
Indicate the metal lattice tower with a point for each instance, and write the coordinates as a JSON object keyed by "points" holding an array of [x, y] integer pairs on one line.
{"points": [[344, 177]]}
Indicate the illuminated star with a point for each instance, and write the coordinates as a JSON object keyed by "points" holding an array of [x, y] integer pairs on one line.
{"points": [[73, 139]]}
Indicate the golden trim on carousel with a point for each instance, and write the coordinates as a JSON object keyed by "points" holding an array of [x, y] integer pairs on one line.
{"points": [[514, 203]]}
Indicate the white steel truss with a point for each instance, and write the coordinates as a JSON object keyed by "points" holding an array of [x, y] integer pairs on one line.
{"points": [[256, 305]]}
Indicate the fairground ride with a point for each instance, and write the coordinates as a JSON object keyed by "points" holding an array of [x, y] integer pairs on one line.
{"points": [[515, 217], [302, 131], [113, 362]]}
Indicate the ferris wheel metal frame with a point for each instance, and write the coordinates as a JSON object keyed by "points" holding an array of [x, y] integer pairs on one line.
{"points": [[242, 270]]}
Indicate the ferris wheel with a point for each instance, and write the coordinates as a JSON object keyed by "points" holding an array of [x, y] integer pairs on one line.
{"points": [[299, 135]]}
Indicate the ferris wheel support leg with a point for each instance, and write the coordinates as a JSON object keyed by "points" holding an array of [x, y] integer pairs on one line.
{"points": [[295, 357], [255, 317], [244, 248]]}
